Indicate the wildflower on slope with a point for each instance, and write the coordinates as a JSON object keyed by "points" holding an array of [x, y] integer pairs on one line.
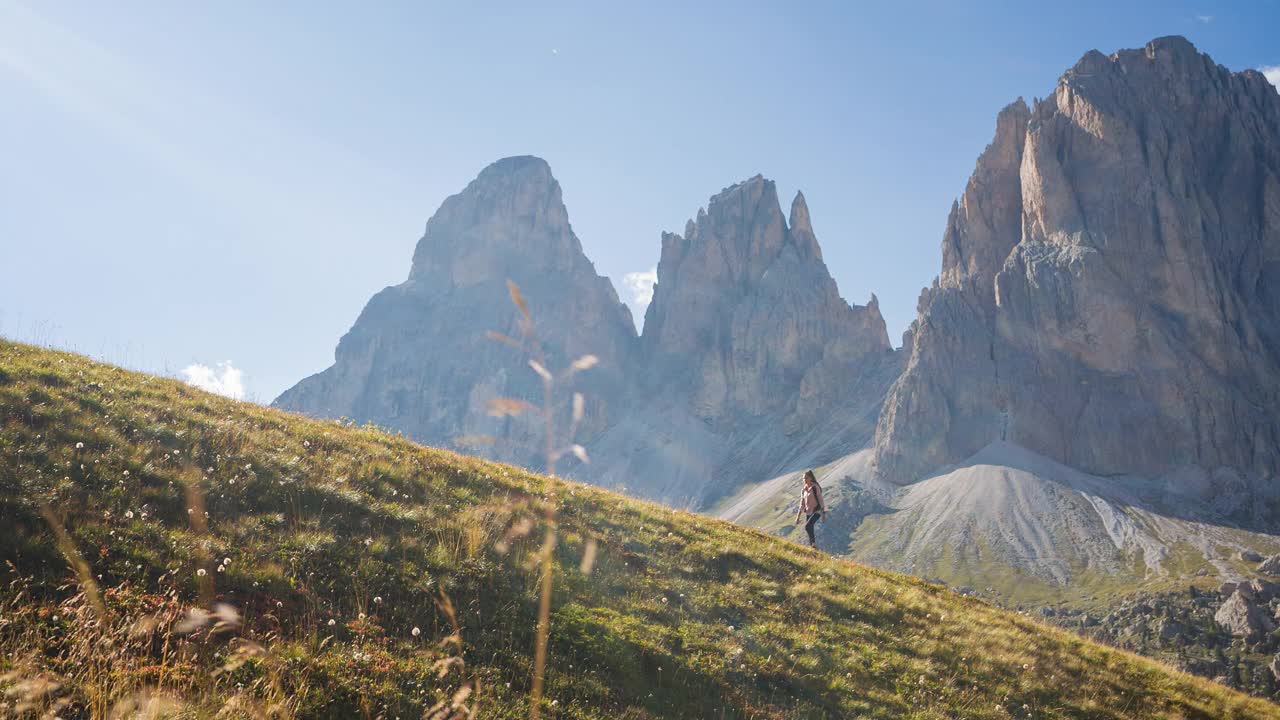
{"points": [[201, 572], [415, 632]]}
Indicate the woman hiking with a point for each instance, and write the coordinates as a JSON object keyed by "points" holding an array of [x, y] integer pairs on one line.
{"points": [[812, 505]]}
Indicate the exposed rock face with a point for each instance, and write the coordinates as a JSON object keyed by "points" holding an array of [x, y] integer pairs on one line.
{"points": [[1241, 617], [1270, 566], [754, 364], [1110, 290], [747, 319], [418, 359], [751, 362]]}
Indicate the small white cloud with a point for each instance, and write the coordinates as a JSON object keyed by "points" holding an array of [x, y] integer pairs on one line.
{"points": [[1206, 19], [640, 286], [1272, 72], [225, 379], [554, 51]]}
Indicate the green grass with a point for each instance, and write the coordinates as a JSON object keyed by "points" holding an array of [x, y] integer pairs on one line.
{"points": [[342, 540]]}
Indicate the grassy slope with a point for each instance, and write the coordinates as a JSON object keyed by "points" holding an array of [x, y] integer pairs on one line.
{"points": [[681, 616]]}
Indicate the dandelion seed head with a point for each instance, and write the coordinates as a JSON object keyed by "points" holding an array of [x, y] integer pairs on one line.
{"points": [[201, 572], [416, 632]]}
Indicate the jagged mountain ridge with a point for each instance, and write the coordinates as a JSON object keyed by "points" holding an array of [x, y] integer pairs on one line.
{"points": [[752, 363], [745, 338], [1106, 303]]}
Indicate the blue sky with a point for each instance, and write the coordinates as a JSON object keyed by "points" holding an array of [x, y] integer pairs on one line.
{"points": [[195, 183]]}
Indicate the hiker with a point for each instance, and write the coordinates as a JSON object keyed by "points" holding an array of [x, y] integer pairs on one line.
{"points": [[812, 506]]}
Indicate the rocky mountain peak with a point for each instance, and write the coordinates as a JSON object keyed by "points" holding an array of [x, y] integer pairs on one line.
{"points": [[746, 297], [510, 216], [418, 358], [1106, 297]]}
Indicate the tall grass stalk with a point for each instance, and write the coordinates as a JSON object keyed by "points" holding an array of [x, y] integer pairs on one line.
{"points": [[552, 451]]}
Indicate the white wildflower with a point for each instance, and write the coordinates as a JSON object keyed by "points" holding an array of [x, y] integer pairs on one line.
{"points": [[332, 622], [416, 632], [201, 572]]}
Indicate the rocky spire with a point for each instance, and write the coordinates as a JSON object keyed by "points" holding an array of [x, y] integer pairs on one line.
{"points": [[745, 306], [418, 358], [801, 230], [1107, 295]]}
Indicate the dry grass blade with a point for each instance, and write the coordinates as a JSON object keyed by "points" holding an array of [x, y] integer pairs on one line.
{"points": [[505, 407], [147, 705], [542, 371], [579, 407], [588, 557], [586, 362], [76, 561], [518, 299], [195, 619], [579, 452], [499, 337]]}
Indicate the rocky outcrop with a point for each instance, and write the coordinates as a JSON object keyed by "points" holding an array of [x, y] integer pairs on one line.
{"points": [[1270, 566], [418, 358], [751, 362], [1110, 290], [747, 320], [754, 364], [1240, 616]]}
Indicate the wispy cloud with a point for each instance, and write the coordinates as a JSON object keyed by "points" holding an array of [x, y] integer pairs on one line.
{"points": [[224, 379], [1206, 19], [1272, 72], [639, 286]]}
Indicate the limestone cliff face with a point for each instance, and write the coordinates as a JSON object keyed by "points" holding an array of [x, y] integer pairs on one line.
{"points": [[746, 318], [418, 359], [753, 363], [1110, 290]]}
